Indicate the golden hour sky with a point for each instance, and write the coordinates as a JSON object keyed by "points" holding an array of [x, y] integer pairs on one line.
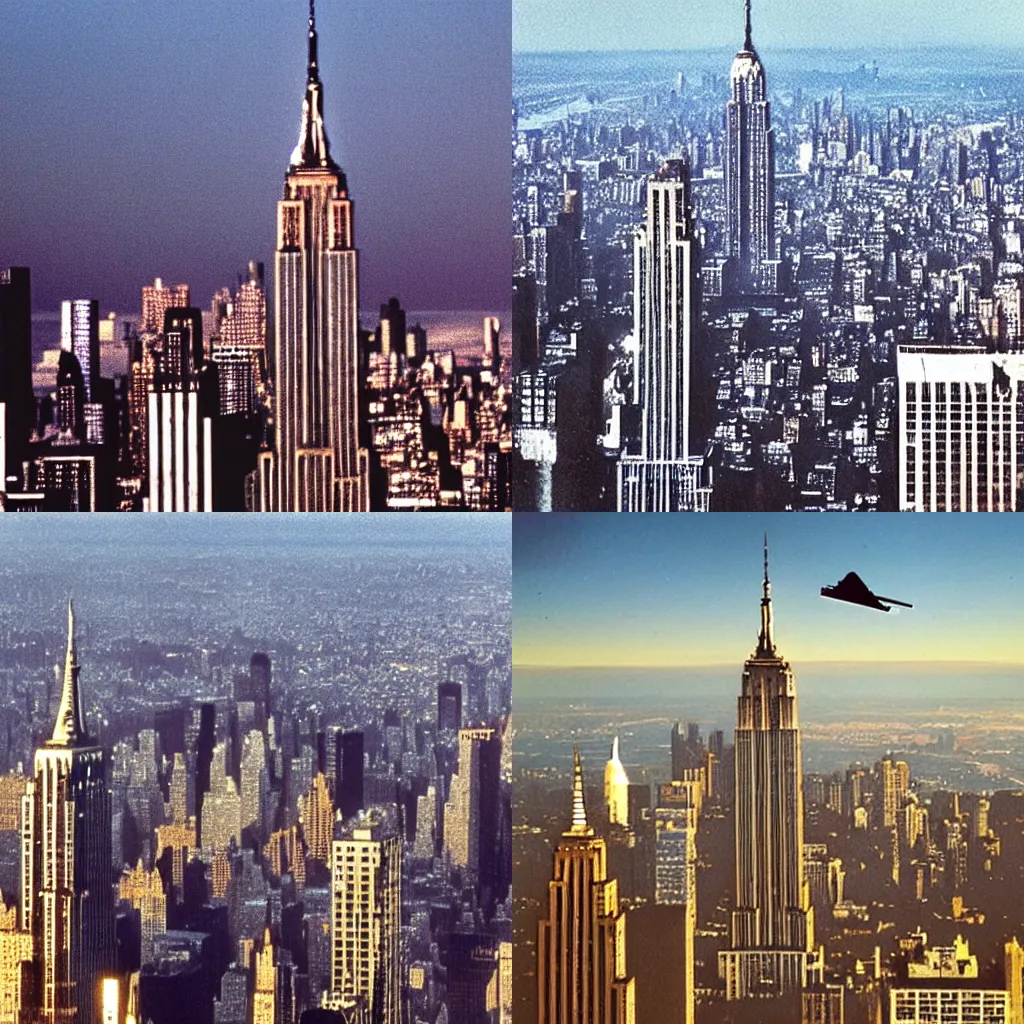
{"points": [[668, 590]]}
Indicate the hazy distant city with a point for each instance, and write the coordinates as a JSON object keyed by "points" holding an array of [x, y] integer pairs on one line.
{"points": [[303, 727], [829, 317]]}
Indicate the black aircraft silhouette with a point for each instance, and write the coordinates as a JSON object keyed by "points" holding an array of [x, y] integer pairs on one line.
{"points": [[853, 589]]}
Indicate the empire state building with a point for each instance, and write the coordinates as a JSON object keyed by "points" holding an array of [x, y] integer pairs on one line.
{"points": [[317, 464], [749, 170], [67, 901], [772, 924]]}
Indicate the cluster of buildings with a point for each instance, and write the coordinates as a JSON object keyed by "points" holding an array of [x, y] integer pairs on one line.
{"points": [[827, 873], [216, 413], [231, 865], [822, 309]]}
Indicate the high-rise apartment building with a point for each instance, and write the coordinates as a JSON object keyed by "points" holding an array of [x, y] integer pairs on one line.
{"points": [[772, 924], [581, 942], [749, 170], [366, 896], [666, 315], [66, 890], [961, 437], [317, 464]]}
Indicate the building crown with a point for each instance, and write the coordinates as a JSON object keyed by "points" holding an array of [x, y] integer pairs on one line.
{"points": [[579, 825], [313, 149], [69, 729], [766, 639]]}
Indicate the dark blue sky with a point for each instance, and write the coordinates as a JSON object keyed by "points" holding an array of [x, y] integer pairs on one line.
{"points": [[151, 138], [658, 590]]}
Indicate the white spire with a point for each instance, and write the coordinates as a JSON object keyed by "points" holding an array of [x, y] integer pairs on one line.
{"points": [[69, 729], [616, 788]]}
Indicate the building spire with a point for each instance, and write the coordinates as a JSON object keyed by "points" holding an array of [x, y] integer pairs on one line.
{"points": [[313, 150], [579, 811], [766, 641], [748, 39], [69, 729]]}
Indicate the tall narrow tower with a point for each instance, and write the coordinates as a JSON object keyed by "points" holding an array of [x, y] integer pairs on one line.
{"points": [[666, 317], [316, 465], [581, 947], [66, 887], [772, 925], [749, 169]]}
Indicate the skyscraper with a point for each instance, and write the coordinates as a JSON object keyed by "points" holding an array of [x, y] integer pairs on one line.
{"points": [[666, 315], [581, 947], [772, 925], [17, 403], [961, 413], [616, 788], [317, 464], [366, 894], [749, 170], [66, 886], [449, 707], [349, 773], [80, 335]]}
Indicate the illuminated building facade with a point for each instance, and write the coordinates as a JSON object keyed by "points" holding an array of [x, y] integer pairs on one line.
{"points": [[66, 891]]}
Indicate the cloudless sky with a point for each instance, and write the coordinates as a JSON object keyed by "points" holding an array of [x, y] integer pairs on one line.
{"points": [[674, 590], [539, 25], [144, 137]]}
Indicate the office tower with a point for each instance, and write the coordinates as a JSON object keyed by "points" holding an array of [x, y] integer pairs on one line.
{"points": [[70, 399], [961, 411], [80, 335], [222, 806], [581, 944], [179, 433], [449, 707], [260, 676], [17, 402], [492, 343], [239, 347], [772, 925], [66, 890], [316, 813], [666, 315], [349, 780], [675, 870], [616, 788], [144, 890], [425, 845], [205, 717], [255, 783], [317, 464], [178, 838], [749, 170], [687, 749], [366, 898], [472, 966], [1013, 968], [471, 811], [391, 328], [15, 967], [156, 300], [264, 999]]}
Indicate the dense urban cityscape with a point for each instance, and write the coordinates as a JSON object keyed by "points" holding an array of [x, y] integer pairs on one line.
{"points": [[256, 774], [759, 864], [783, 285], [220, 411]]}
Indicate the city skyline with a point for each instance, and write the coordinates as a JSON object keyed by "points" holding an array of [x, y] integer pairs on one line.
{"points": [[590, 591], [116, 204]]}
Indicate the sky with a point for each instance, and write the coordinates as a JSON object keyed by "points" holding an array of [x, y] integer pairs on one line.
{"points": [[144, 138], [550, 25], [680, 590]]}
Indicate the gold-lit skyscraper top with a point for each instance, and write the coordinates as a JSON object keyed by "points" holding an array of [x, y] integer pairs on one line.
{"points": [[69, 729], [579, 825], [313, 150]]}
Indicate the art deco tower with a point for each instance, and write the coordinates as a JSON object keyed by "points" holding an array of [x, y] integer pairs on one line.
{"points": [[66, 892], [666, 316], [772, 925], [316, 465], [581, 947], [749, 169]]}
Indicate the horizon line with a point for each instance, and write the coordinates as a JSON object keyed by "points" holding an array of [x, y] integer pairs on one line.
{"points": [[812, 661], [884, 48]]}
